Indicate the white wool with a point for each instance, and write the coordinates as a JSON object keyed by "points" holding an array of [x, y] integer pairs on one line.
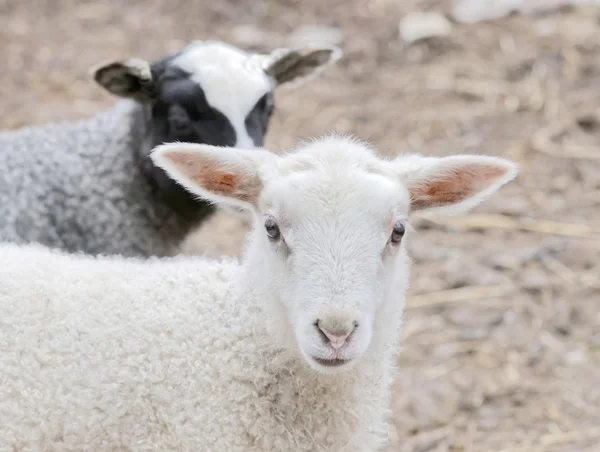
{"points": [[107, 353], [188, 353]]}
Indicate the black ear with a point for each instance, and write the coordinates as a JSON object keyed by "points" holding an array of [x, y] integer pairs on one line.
{"points": [[127, 78], [300, 65]]}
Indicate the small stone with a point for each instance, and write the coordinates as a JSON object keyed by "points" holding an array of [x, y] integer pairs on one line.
{"points": [[546, 27], [420, 25], [504, 262], [473, 11], [446, 351], [576, 357], [249, 36], [473, 334], [308, 35], [532, 7]]}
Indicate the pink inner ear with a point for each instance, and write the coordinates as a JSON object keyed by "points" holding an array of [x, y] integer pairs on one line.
{"points": [[209, 175], [456, 186]]}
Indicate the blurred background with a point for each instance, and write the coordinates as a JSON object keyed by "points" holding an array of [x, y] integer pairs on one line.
{"points": [[502, 338]]}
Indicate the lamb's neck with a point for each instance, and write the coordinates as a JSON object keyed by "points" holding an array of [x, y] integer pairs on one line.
{"points": [[188, 210], [257, 278]]}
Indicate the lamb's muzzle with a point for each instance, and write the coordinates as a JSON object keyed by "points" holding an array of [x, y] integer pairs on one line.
{"points": [[335, 331]]}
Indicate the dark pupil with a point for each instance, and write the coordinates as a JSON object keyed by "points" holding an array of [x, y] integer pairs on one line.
{"points": [[398, 233], [272, 228]]}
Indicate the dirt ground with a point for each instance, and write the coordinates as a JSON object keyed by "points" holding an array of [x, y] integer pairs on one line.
{"points": [[502, 340]]}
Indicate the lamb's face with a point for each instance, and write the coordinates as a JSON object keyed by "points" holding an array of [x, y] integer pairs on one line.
{"points": [[211, 92], [334, 228], [330, 230]]}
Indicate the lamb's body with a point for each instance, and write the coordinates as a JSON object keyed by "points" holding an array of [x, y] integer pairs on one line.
{"points": [[80, 186], [91, 186], [293, 349], [106, 354]]}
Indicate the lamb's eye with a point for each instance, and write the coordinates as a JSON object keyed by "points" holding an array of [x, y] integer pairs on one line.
{"points": [[397, 233], [272, 228]]}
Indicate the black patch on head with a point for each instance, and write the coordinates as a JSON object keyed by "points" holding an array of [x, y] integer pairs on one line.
{"points": [[257, 120], [180, 112]]}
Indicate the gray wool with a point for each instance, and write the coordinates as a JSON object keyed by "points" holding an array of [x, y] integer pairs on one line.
{"points": [[79, 186]]}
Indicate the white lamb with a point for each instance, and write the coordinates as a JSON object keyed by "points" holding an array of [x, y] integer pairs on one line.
{"points": [[294, 349]]}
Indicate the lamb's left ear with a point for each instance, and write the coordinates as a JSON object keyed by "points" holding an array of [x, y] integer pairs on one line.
{"points": [[299, 65], [222, 175], [453, 184], [126, 78]]}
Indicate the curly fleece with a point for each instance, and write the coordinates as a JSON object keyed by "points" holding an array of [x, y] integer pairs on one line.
{"points": [[80, 186], [106, 353]]}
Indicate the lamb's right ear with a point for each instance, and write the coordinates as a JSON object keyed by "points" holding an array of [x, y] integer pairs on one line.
{"points": [[293, 67], [452, 184], [127, 78], [222, 175]]}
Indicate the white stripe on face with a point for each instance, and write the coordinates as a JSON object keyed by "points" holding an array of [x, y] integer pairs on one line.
{"points": [[231, 81]]}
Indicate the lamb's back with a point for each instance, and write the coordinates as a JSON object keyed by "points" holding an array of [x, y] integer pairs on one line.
{"points": [[78, 186], [109, 352]]}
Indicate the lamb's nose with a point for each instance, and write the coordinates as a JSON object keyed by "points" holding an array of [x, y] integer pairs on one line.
{"points": [[336, 336]]}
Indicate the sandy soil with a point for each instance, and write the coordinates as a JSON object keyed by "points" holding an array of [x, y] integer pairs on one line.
{"points": [[510, 366]]}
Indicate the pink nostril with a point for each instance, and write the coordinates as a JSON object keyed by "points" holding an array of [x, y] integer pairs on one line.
{"points": [[337, 339]]}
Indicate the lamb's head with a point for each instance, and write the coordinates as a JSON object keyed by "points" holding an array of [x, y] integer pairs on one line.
{"points": [[211, 92], [331, 221]]}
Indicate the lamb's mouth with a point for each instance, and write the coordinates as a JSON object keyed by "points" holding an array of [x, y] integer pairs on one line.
{"points": [[333, 362]]}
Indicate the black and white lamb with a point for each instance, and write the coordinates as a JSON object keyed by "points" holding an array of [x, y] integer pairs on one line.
{"points": [[90, 185]]}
